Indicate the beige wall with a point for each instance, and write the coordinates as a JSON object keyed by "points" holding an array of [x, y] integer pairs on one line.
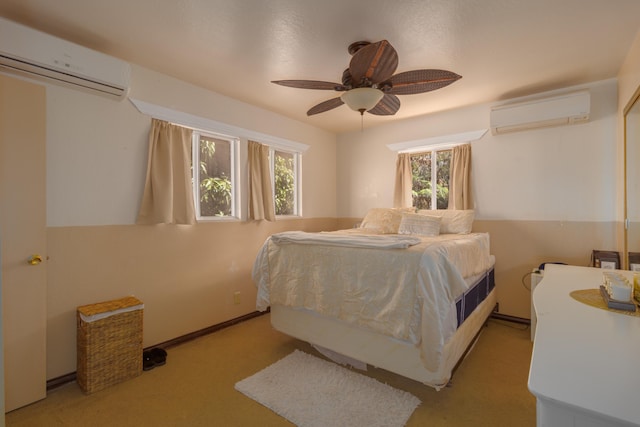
{"points": [[544, 195], [94, 142], [520, 246], [185, 276]]}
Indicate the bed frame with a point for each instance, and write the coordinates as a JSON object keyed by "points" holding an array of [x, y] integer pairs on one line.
{"points": [[400, 357]]}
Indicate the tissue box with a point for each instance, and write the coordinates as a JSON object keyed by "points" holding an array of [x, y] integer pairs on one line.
{"points": [[618, 287], [618, 305], [109, 343]]}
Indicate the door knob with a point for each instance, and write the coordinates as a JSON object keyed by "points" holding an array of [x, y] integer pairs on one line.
{"points": [[35, 259]]}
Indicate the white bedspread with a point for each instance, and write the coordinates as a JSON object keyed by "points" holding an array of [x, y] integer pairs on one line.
{"points": [[408, 294]]}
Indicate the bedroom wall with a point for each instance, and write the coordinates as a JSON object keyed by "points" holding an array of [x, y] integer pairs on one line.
{"points": [[544, 195], [185, 275], [96, 159]]}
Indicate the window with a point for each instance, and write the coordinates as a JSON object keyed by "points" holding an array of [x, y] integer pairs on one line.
{"points": [[427, 168], [215, 196], [285, 182], [216, 174]]}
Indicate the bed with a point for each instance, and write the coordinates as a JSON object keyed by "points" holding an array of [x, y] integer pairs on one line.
{"points": [[407, 292]]}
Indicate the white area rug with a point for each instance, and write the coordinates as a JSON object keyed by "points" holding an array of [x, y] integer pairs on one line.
{"points": [[311, 392]]}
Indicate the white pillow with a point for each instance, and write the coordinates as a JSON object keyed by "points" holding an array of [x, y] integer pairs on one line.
{"points": [[453, 221], [419, 224], [384, 220]]}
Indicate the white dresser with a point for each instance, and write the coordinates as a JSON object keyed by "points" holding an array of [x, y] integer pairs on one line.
{"points": [[585, 367], [536, 277]]}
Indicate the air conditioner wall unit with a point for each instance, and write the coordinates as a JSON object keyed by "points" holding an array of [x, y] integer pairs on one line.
{"points": [[569, 108], [35, 54]]}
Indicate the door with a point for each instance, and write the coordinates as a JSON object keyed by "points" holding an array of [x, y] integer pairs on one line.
{"points": [[23, 235]]}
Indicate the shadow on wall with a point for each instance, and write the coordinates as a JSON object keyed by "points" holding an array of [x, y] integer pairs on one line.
{"points": [[519, 246]]}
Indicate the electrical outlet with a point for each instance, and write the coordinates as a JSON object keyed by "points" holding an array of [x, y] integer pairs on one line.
{"points": [[236, 297]]}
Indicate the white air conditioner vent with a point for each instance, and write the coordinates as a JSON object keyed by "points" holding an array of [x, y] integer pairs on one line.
{"points": [[558, 110], [35, 54]]}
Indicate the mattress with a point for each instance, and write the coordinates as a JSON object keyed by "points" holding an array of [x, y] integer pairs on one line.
{"points": [[474, 296], [418, 294], [364, 346]]}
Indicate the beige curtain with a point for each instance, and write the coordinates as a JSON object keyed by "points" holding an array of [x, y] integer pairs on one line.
{"points": [[402, 196], [168, 193], [261, 204], [460, 178]]}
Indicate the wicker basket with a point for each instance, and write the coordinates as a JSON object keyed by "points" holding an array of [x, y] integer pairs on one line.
{"points": [[109, 343]]}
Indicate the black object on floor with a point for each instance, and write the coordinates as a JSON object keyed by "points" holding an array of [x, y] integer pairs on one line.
{"points": [[152, 358]]}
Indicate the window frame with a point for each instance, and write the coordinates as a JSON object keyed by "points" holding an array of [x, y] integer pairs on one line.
{"points": [[240, 136], [234, 153], [436, 143], [433, 152], [297, 179]]}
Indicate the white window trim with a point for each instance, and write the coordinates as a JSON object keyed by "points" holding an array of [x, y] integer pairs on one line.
{"points": [[433, 145], [442, 142], [229, 131], [234, 144], [197, 122], [433, 150], [297, 170]]}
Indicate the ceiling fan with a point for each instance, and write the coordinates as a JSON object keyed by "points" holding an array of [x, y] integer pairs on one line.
{"points": [[369, 83]]}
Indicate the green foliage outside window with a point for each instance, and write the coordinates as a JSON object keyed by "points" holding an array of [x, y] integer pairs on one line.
{"points": [[284, 183], [443, 161], [215, 185], [422, 189]]}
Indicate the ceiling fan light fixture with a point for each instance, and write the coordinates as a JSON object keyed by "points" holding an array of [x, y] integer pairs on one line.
{"points": [[362, 98]]}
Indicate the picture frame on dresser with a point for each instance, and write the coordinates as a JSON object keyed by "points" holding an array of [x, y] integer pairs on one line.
{"points": [[634, 261], [605, 259]]}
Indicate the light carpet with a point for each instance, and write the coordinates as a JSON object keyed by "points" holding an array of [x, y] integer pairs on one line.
{"points": [[311, 392]]}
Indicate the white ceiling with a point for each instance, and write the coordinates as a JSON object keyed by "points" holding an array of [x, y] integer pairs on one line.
{"points": [[502, 48]]}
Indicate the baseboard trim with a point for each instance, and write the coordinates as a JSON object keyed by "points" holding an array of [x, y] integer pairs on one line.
{"points": [[61, 380], [514, 319], [70, 377], [209, 330]]}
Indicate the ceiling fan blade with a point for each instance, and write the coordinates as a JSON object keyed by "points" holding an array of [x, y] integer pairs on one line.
{"points": [[325, 106], [374, 63], [419, 81], [387, 106], [310, 84]]}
